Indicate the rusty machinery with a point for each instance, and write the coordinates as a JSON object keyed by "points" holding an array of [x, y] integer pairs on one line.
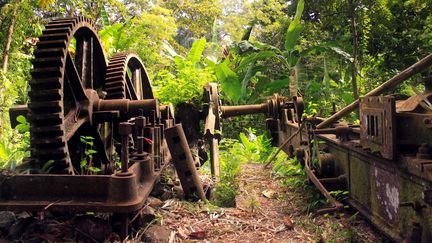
{"points": [[291, 109], [77, 96], [385, 162]]}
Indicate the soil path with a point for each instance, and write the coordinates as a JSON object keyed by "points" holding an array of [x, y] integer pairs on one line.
{"points": [[265, 212]]}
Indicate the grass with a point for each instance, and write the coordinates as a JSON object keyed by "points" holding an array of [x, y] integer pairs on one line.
{"points": [[249, 148]]}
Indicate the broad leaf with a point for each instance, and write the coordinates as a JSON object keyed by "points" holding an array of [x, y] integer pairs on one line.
{"points": [[197, 50], [293, 34], [229, 81], [294, 28], [169, 49], [252, 58], [275, 86], [249, 74], [326, 48], [21, 119]]}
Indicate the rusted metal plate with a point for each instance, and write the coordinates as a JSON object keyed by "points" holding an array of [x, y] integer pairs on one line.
{"points": [[377, 130], [387, 194], [119, 193]]}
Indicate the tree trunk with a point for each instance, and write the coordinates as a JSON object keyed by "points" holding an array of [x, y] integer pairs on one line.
{"points": [[355, 48], [9, 38]]}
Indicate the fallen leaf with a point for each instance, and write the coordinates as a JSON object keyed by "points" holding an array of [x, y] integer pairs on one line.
{"points": [[269, 194], [288, 223], [182, 232], [198, 235]]}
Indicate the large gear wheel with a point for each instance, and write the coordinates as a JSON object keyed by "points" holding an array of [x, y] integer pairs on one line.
{"points": [[127, 77], [69, 61]]}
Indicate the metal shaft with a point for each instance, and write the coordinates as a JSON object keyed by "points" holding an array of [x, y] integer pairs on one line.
{"points": [[389, 84], [128, 108], [238, 110]]}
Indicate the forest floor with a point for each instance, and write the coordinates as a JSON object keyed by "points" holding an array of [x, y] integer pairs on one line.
{"points": [[265, 211]]}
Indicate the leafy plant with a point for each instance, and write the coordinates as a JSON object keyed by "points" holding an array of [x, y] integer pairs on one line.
{"points": [[184, 82], [248, 149], [86, 164], [13, 151]]}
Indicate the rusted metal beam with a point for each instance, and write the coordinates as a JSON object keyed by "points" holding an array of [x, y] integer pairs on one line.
{"points": [[389, 84], [183, 162], [239, 110]]}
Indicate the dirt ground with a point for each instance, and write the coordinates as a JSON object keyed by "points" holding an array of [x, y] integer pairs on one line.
{"points": [[265, 211]]}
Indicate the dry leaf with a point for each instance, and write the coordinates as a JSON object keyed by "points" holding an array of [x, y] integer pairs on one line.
{"points": [[269, 194], [198, 234], [288, 223]]}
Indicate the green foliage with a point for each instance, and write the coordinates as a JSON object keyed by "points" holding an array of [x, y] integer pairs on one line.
{"points": [[294, 28], [248, 149], [184, 82], [230, 162], [14, 149], [86, 164], [145, 34], [46, 168], [194, 18], [196, 51], [105, 18]]}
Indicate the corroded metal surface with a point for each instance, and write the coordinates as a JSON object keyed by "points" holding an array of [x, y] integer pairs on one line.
{"points": [[385, 163], [81, 111]]}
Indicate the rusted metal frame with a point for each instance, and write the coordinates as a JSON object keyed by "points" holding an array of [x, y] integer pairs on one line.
{"points": [[74, 80], [213, 140], [14, 112], [215, 163], [100, 193], [334, 180], [389, 84], [130, 88], [136, 80], [84, 58], [399, 169], [336, 205], [184, 163], [384, 228], [280, 148], [212, 127], [378, 130], [125, 129]]}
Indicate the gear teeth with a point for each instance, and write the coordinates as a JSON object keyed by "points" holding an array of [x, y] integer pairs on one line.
{"points": [[48, 141], [47, 61], [52, 43], [115, 78], [51, 52]]}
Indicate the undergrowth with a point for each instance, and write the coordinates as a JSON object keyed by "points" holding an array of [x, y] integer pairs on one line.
{"points": [[248, 148]]}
